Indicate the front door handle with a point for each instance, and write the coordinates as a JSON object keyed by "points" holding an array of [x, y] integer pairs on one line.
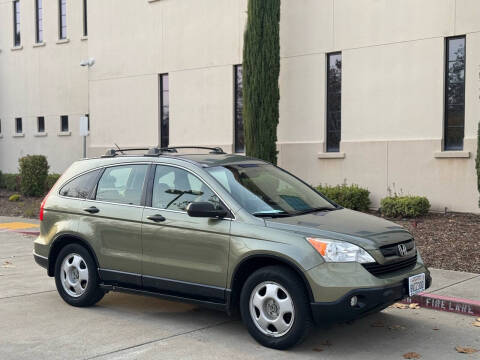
{"points": [[92, 210], [156, 218]]}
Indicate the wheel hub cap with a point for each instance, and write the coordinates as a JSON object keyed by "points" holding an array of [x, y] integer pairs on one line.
{"points": [[272, 309], [74, 275]]}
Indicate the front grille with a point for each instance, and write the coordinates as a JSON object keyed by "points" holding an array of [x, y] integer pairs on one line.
{"points": [[381, 269], [392, 250]]}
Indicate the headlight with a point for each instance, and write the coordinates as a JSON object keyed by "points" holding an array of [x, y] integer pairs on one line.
{"points": [[340, 251]]}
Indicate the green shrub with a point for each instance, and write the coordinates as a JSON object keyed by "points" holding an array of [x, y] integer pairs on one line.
{"points": [[33, 174], [1, 181], [11, 182], [405, 206], [51, 180], [349, 196], [14, 197], [31, 212]]}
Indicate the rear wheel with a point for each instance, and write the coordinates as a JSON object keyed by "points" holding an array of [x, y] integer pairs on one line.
{"points": [[275, 308], [76, 277]]}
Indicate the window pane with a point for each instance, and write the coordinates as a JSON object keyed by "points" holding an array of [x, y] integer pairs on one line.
{"points": [[85, 18], [16, 23], [239, 131], [18, 125], [334, 101], [164, 111], [80, 187], [41, 124], [175, 188], [454, 94], [122, 184], [64, 123]]}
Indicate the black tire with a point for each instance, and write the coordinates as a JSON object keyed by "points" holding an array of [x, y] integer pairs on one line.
{"points": [[92, 293], [302, 320]]}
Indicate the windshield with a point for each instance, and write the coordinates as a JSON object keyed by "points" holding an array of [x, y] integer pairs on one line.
{"points": [[265, 190]]}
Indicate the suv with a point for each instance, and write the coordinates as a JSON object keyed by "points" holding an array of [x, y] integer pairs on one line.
{"points": [[225, 231]]}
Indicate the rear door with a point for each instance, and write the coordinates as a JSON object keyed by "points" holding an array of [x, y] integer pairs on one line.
{"points": [[112, 221], [183, 255]]}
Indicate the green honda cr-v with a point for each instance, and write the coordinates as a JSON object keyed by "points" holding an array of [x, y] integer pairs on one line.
{"points": [[225, 231]]}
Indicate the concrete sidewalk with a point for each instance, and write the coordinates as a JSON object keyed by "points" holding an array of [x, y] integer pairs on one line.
{"points": [[452, 291]]}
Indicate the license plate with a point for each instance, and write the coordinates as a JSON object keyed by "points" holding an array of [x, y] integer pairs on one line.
{"points": [[416, 284]]}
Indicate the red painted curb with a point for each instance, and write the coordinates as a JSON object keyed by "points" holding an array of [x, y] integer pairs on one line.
{"points": [[31, 233], [446, 303]]}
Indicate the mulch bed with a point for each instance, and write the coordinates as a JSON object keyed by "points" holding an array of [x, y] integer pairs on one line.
{"points": [[26, 207], [450, 241], [447, 241]]}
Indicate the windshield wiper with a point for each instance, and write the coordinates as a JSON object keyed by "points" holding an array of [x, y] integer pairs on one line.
{"points": [[273, 214], [318, 209]]}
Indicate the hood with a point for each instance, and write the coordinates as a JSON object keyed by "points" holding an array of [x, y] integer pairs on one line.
{"points": [[367, 231]]}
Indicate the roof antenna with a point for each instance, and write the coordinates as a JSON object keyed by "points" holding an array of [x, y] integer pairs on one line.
{"points": [[118, 147]]}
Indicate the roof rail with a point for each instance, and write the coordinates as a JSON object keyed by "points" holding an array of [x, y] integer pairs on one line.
{"points": [[157, 151]]}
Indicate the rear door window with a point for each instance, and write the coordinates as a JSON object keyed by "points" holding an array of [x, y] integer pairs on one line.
{"points": [[81, 186], [122, 184]]}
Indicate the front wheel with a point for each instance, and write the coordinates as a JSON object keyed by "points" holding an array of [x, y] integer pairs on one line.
{"points": [[76, 278], [275, 308]]}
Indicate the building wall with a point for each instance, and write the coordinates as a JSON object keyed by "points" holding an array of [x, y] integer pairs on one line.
{"points": [[392, 85], [44, 81]]}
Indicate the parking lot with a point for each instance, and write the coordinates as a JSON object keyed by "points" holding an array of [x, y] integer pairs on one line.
{"points": [[37, 324]]}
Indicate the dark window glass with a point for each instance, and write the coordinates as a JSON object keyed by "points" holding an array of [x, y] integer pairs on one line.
{"points": [[239, 134], [88, 121], [85, 18], [39, 21], [175, 188], [16, 23], [164, 110], [62, 19], [334, 101], [81, 186], [0, 126], [41, 124], [454, 93], [64, 123], [18, 125], [122, 184]]}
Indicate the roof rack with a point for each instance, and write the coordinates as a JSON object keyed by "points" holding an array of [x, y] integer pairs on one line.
{"points": [[157, 151]]}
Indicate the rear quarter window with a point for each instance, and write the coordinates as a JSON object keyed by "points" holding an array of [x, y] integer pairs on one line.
{"points": [[80, 187]]}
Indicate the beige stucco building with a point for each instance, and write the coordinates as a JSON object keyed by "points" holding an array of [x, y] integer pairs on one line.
{"points": [[404, 122]]}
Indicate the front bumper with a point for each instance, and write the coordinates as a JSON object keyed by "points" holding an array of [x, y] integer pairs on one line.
{"points": [[370, 300]]}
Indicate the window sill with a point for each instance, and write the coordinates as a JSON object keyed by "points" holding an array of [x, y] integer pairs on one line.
{"points": [[452, 155], [42, 44], [19, 135], [84, 38], [63, 41], [42, 134], [331, 155], [150, 1], [16, 48], [65, 133]]}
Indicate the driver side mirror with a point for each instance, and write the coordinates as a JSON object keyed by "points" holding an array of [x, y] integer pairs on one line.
{"points": [[205, 210]]}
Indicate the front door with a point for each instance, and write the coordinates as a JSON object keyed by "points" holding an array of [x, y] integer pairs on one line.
{"points": [[182, 255]]}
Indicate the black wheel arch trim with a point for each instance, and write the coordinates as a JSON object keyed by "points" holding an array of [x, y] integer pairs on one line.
{"points": [[65, 237], [289, 263]]}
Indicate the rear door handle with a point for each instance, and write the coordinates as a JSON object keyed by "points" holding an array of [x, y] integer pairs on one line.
{"points": [[156, 218], [92, 210]]}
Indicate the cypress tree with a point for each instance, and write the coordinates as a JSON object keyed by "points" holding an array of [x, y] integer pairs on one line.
{"points": [[261, 70]]}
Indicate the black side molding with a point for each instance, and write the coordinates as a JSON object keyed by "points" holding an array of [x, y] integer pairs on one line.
{"points": [[41, 260]]}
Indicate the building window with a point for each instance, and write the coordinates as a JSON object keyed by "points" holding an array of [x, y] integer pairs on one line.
{"points": [[88, 121], [239, 133], [85, 18], [16, 23], [40, 124], [38, 21], [334, 101], [0, 126], [64, 123], [62, 19], [454, 93], [164, 110], [18, 126]]}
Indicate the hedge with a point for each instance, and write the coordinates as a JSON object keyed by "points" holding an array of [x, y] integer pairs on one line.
{"points": [[404, 206], [11, 182], [51, 180], [33, 174], [349, 196]]}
